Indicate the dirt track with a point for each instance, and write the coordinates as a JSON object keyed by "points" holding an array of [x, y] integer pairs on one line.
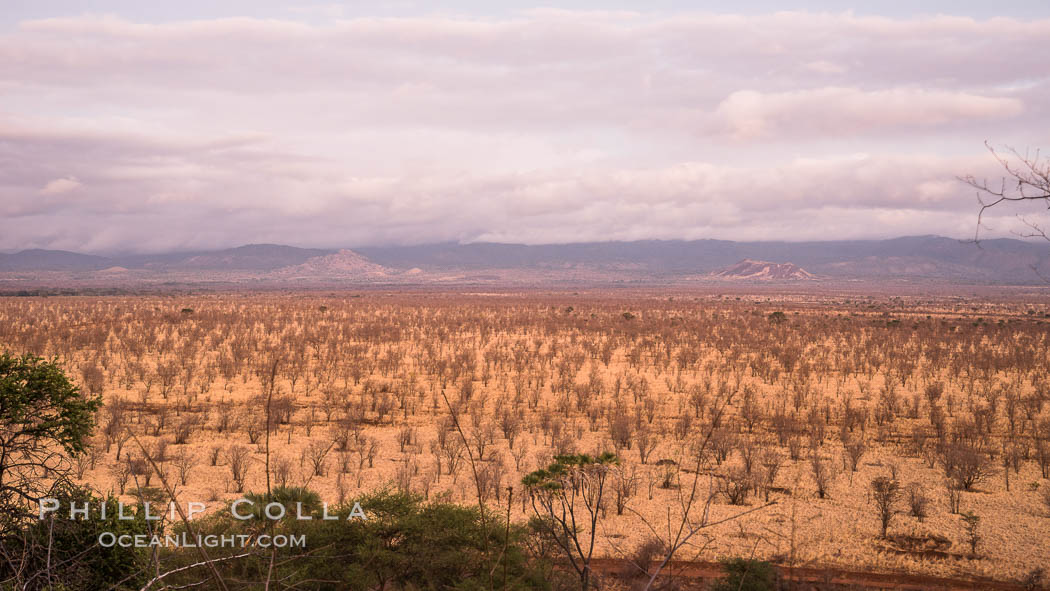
{"points": [[805, 578]]}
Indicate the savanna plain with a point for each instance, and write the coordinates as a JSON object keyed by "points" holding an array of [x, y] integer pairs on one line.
{"points": [[862, 431]]}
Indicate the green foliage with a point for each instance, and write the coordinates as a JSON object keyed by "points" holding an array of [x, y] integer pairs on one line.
{"points": [[551, 477], [42, 416], [294, 498], [72, 547], [777, 317], [567, 498], [39, 404], [746, 575], [404, 543]]}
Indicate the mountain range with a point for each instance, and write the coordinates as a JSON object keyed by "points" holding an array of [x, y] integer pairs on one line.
{"points": [[915, 258]]}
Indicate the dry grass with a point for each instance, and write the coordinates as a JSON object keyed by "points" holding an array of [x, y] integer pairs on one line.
{"points": [[849, 381]]}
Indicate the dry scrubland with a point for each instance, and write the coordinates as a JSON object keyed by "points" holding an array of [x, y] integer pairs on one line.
{"points": [[808, 408]]}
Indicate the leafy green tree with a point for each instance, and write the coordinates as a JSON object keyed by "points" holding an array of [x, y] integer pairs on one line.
{"points": [[44, 419]]}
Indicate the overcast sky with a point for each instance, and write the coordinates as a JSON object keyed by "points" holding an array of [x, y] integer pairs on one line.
{"points": [[142, 126]]}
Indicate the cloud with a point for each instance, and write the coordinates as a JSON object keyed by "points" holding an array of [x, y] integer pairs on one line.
{"points": [[849, 111], [542, 126], [59, 186], [156, 199]]}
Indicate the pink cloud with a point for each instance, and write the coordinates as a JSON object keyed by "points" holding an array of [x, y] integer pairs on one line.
{"points": [[544, 126], [750, 114], [59, 186]]}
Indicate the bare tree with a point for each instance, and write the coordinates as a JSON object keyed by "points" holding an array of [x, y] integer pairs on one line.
{"points": [[1027, 180], [281, 468], [966, 465], [625, 487], [854, 448], [184, 462], [918, 502], [735, 486], [884, 494], [822, 473], [315, 454], [239, 458]]}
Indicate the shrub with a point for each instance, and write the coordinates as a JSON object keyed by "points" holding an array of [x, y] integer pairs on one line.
{"points": [[735, 486], [971, 523], [405, 543], [71, 548], [746, 575], [918, 502]]}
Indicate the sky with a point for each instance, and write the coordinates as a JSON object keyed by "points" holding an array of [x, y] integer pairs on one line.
{"points": [[144, 127]]}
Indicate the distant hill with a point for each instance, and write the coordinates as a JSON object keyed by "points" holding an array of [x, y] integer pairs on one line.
{"points": [[51, 260], [763, 271], [251, 257], [345, 263], [913, 258]]}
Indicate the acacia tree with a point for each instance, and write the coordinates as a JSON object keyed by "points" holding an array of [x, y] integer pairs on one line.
{"points": [[568, 496], [44, 420]]}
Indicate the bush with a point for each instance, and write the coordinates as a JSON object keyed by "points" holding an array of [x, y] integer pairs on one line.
{"points": [[405, 543], [972, 524], [918, 502], [966, 465], [71, 547], [746, 575], [293, 498], [735, 486]]}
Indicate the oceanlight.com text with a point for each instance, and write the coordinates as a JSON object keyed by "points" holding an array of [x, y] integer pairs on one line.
{"points": [[109, 540]]}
